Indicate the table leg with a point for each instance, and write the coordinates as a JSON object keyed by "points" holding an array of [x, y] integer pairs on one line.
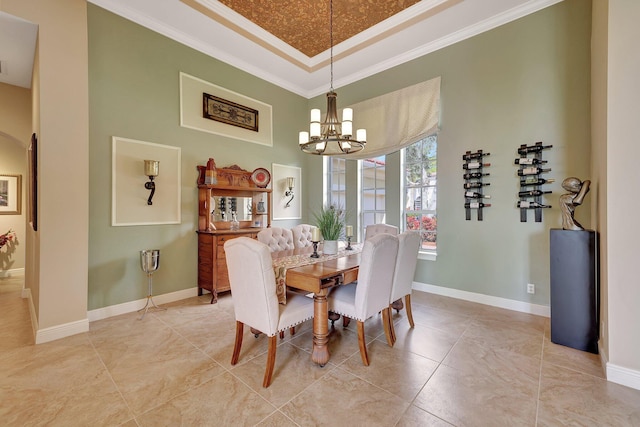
{"points": [[320, 353]]}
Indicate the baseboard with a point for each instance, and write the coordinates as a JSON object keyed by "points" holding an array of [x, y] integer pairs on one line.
{"points": [[624, 376], [62, 331], [11, 273], [524, 307], [131, 306]]}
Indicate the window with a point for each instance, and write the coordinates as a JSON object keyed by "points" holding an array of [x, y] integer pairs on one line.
{"points": [[420, 178], [372, 185], [336, 182]]}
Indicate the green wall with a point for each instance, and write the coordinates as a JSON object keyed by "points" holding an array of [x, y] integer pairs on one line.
{"points": [[523, 82], [134, 93]]}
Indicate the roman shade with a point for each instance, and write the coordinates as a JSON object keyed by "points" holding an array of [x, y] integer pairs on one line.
{"points": [[398, 119]]}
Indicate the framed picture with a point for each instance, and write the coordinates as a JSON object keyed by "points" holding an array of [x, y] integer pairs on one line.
{"points": [[210, 108], [33, 183], [10, 194], [228, 112], [287, 202]]}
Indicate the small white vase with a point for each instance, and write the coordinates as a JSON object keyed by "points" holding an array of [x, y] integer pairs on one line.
{"points": [[330, 247]]}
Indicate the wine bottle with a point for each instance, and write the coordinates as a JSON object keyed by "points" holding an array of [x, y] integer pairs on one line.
{"points": [[532, 193], [532, 170], [476, 205], [474, 195], [471, 156], [472, 175], [529, 161], [533, 149], [468, 185], [534, 180], [525, 204], [475, 165]]}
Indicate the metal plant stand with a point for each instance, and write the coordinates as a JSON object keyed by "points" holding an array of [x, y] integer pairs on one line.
{"points": [[149, 262]]}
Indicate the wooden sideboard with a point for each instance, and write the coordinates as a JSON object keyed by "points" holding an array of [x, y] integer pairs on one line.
{"points": [[212, 264]]}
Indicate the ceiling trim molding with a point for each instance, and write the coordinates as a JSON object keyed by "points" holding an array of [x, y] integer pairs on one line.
{"points": [[341, 51], [451, 39]]}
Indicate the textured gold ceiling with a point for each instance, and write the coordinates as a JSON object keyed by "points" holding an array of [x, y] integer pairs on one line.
{"points": [[304, 24]]}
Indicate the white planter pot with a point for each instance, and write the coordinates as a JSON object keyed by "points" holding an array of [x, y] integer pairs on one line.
{"points": [[330, 247]]}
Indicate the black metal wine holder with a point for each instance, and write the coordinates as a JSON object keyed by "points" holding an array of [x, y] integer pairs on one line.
{"points": [[536, 181], [473, 183]]}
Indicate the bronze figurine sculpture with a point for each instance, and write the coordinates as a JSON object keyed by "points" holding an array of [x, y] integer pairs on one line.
{"points": [[568, 202]]}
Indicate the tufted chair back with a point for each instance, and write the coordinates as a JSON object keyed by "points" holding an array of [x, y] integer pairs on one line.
{"points": [[302, 235], [373, 229], [276, 238]]}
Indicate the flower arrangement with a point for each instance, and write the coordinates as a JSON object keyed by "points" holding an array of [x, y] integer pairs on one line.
{"points": [[330, 222], [7, 237]]}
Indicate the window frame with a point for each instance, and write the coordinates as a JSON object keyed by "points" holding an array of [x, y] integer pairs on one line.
{"points": [[424, 253]]}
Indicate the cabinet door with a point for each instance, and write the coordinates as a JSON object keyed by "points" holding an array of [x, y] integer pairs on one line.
{"points": [[205, 262]]}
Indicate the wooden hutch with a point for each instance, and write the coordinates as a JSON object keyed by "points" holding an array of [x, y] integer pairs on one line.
{"points": [[212, 265]]}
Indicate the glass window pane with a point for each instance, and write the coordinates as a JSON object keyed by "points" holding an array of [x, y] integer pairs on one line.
{"points": [[420, 189]]}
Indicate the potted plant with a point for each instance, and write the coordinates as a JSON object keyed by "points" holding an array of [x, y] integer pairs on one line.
{"points": [[330, 221]]}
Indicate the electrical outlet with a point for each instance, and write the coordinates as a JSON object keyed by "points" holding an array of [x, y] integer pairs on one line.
{"points": [[531, 288]]}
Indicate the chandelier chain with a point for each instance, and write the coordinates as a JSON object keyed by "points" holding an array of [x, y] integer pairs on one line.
{"points": [[331, 39]]}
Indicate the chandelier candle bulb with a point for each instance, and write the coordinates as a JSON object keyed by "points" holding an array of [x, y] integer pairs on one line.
{"points": [[303, 137], [361, 135], [314, 129], [347, 128], [315, 115]]}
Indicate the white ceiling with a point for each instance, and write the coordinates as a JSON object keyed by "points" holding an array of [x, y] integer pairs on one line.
{"points": [[396, 40], [17, 49]]}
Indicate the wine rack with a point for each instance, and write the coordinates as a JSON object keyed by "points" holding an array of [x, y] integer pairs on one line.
{"points": [[474, 184], [530, 172]]}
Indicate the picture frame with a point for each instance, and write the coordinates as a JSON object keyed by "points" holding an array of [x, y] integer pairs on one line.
{"points": [[231, 113], [192, 117], [10, 194], [33, 182]]}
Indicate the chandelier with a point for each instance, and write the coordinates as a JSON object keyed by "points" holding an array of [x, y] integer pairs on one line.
{"points": [[331, 136]]}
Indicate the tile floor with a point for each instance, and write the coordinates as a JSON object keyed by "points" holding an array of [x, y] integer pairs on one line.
{"points": [[464, 364]]}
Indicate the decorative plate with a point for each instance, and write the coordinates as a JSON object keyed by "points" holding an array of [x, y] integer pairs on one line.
{"points": [[261, 177]]}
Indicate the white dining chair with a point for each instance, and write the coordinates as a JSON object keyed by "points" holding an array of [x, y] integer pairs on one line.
{"points": [[373, 229], [276, 238], [302, 235], [253, 286], [408, 247], [373, 289]]}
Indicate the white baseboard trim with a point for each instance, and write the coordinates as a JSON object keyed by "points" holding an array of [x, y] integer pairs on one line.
{"points": [[11, 273], [131, 306], [524, 307], [624, 376], [62, 331]]}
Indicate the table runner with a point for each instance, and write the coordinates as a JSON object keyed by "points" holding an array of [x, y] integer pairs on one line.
{"points": [[280, 266]]}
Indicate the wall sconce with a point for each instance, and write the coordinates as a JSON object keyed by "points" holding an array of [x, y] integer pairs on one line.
{"points": [[151, 168], [291, 181]]}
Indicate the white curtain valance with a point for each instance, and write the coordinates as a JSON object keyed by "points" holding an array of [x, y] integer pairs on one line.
{"points": [[397, 119]]}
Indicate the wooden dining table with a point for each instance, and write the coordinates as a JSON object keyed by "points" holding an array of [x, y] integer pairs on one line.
{"points": [[319, 278]]}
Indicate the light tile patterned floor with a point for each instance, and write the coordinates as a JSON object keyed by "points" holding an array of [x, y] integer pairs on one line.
{"points": [[463, 364]]}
